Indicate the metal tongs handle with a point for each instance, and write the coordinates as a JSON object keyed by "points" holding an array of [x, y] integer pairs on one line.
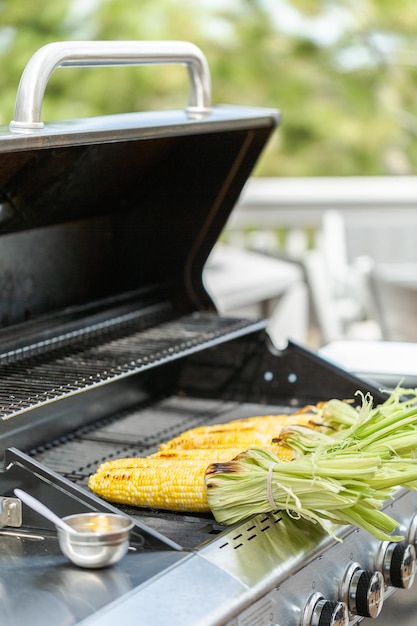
{"points": [[27, 116]]}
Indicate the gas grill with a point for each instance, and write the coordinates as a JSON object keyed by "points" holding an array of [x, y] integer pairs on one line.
{"points": [[110, 344]]}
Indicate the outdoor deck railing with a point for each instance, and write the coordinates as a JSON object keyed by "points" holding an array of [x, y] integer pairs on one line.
{"points": [[285, 216]]}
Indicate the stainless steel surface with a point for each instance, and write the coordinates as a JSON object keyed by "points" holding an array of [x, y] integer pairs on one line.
{"points": [[10, 512], [95, 540], [321, 571], [27, 117], [50, 589], [192, 593], [287, 598], [122, 126]]}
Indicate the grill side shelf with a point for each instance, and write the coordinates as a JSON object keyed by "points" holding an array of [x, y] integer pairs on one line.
{"points": [[86, 364]]}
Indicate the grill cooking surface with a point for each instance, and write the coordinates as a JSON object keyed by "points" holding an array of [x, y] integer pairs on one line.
{"points": [[105, 355], [138, 432]]}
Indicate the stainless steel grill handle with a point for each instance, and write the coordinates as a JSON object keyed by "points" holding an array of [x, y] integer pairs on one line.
{"points": [[27, 116]]}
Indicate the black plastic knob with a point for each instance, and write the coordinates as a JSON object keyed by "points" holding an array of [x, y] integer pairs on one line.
{"points": [[329, 613], [366, 593], [399, 564]]}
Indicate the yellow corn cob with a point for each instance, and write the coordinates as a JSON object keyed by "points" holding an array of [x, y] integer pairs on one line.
{"points": [[218, 455], [259, 423], [260, 432], [242, 440], [155, 483], [226, 453], [205, 456], [173, 478], [172, 481]]}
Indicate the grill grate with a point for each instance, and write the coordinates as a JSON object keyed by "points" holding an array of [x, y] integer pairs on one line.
{"points": [[44, 378], [136, 431]]}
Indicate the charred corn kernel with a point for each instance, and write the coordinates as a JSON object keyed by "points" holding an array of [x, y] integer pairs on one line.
{"points": [[282, 451], [205, 454], [242, 440], [123, 463], [155, 483], [226, 453], [258, 431], [258, 422]]}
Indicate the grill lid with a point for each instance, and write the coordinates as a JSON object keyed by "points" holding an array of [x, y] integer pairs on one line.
{"points": [[106, 210]]}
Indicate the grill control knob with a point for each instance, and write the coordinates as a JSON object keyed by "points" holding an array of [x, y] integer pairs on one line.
{"points": [[397, 562], [321, 612], [363, 591]]}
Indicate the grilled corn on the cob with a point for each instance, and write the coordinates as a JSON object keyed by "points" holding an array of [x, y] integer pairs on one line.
{"points": [[221, 454], [173, 477], [155, 483], [252, 431]]}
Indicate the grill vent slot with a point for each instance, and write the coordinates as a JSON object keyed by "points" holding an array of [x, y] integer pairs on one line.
{"points": [[250, 532]]}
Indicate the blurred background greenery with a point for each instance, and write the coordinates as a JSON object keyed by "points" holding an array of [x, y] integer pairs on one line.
{"points": [[343, 72]]}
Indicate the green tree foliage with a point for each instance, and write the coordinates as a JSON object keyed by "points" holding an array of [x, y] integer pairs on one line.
{"points": [[343, 72]]}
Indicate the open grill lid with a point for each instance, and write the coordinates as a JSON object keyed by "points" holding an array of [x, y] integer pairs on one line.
{"points": [[96, 212]]}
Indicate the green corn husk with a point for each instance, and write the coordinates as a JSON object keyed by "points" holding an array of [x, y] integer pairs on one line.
{"points": [[304, 488], [342, 478]]}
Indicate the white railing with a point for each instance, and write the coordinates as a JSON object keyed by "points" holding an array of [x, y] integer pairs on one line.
{"points": [[285, 215]]}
